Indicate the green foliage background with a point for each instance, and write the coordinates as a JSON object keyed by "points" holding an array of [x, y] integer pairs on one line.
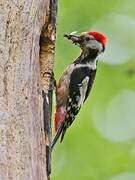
{"points": [[100, 144]]}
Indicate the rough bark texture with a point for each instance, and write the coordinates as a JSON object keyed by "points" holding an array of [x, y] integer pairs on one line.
{"points": [[22, 137]]}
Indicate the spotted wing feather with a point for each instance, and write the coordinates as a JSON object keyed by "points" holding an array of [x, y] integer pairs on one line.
{"points": [[79, 88]]}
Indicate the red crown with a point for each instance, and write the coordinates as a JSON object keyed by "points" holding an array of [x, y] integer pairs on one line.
{"points": [[99, 37]]}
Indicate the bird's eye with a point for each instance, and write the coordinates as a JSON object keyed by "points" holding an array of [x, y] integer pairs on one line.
{"points": [[87, 38]]}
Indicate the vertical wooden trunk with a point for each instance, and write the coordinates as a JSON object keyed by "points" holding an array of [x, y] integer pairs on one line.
{"points": [[22, 137]]}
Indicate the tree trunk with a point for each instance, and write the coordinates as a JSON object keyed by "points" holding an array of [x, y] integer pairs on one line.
{"points": [[25, 72]]}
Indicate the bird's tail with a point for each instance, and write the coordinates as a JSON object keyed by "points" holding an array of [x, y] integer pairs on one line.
{"points": [[57, 135]]}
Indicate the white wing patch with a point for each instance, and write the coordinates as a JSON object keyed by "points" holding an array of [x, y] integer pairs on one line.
{"points": [[90, 65], [83, 89]]}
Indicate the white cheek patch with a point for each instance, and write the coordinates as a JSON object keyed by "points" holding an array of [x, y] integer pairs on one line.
{"points": [[83, 89], [95, 45]]}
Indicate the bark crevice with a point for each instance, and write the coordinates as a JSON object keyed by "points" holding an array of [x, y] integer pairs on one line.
{"points": [[47, 50]]}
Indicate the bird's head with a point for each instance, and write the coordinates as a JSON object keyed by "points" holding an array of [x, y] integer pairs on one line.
{"points": [[95, 41]]}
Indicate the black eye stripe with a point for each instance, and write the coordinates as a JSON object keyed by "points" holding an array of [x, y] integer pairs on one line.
{"points": [[87, 38]]}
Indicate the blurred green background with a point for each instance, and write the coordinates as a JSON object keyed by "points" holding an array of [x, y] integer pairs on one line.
{"points": [[100, 145]]}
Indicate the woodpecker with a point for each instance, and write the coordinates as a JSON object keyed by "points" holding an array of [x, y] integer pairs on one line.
{"points": [[76, 81]]}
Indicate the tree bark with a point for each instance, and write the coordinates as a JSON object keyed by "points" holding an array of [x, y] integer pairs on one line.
{"points": [[25, 75]]}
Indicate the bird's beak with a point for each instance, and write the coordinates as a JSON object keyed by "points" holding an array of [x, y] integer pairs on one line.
{"points": [[74, 38]]}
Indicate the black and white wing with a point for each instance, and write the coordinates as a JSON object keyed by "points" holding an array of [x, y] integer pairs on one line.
{"points": [[79, 88]]}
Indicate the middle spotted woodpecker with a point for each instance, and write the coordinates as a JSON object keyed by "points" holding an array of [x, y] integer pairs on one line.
{"points": [[76, 81]]}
